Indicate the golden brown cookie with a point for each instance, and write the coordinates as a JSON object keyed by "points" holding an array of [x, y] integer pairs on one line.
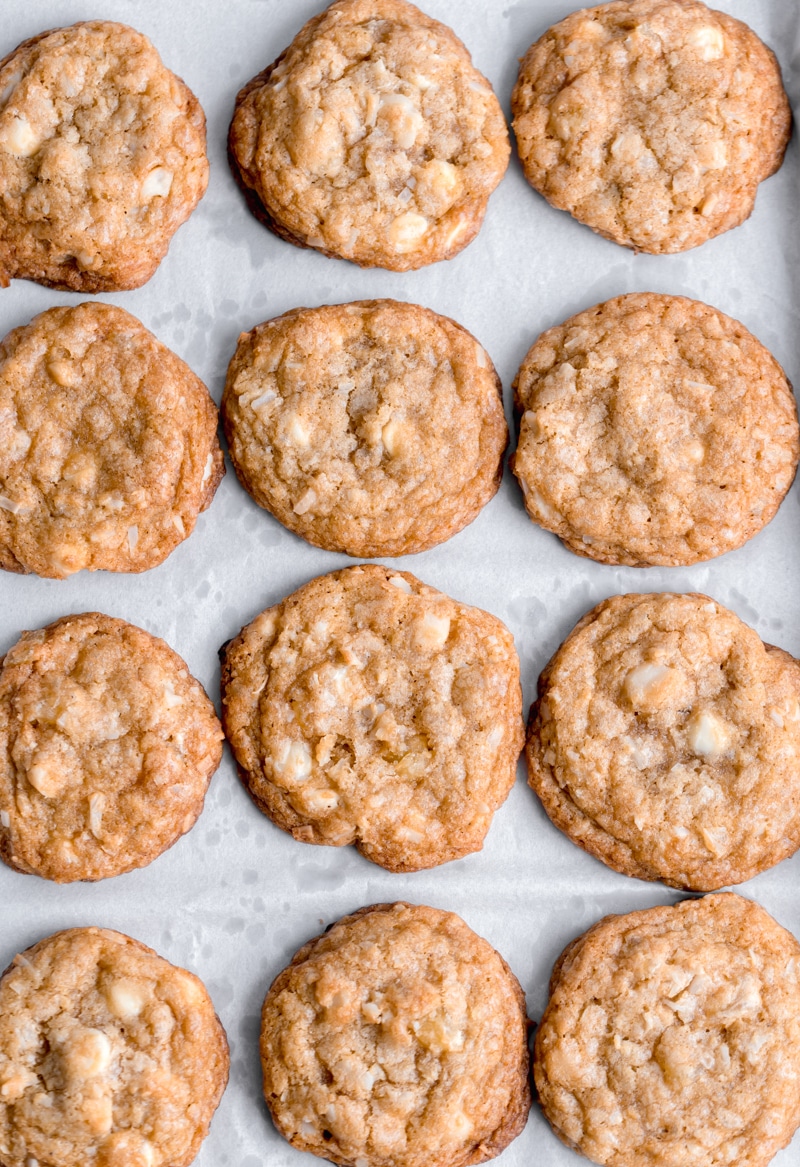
{"points": [[109, 1055], [107, 747], [665, 741], [102, 157], [368, 708], [397, 1039], [654, 430], [652, 121], [108, 444], [372, 138], [374, 428], [672, 1037]]}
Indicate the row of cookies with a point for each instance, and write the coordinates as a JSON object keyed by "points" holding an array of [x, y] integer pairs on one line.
{"points": [[398, 1038], [373, 138], [370, 709], [653, 430]]}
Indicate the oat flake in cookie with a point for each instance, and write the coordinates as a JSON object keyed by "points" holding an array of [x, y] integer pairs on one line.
{"points": [[108, 445], [652, 121], [368, 708], [654, 431], [107, 747], [372, 138], [375, 428], [397, 1039], [102, 157], [109, 1055], [665, 741], [672, 1038]]}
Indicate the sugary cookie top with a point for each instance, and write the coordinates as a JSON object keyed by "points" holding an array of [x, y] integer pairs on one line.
{"points": [[370, 708], [673, 1037], [107, 746], [654, 430], [653, 121], [397, 1039], [102, 157], [666, 741], [108, 445], [108, 1055], [375, 428], [373, 137]]}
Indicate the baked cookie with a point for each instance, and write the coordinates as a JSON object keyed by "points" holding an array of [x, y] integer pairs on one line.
{"points": [[109, 1055], [397, 1039], [102, 157], [108, 444], [652, 121], [672, 1037], [368, 708], [665, 742], [107, 747], [654, 430], [375, 428], [372, 138]]}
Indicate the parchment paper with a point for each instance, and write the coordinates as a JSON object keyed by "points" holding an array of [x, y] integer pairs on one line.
{"points": [[236, 897]]}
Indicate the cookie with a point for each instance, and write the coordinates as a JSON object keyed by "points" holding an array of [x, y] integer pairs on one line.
{"points": [[102, 157], [368, 708], [109, 1055], [374, 428], [654, 430], [372, 138], [397, 1039], [107, 747], [672, 1037], [108, 445], [651, 121], [665, 742]]}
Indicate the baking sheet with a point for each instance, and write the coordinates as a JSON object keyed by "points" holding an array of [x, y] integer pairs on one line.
{"points": [[236, 897]]}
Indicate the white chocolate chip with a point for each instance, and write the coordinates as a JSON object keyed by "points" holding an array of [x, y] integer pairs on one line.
{"points": [[407, 230], [431, 631], [157, 184], [126, 998], [87, 1053], [133, 538], [16, 1080], [5, 821], [297, 432], [371, 1011], [708, 40], [481, 360], [177, 523], [402, 119], [207, 469], [20, 445], [18, 137], [292, 763], [651, 686], [709, 736], [170, 698], [401, 584]]}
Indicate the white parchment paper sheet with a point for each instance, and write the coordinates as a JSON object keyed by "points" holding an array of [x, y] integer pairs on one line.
{"points": [[236, 897]]}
